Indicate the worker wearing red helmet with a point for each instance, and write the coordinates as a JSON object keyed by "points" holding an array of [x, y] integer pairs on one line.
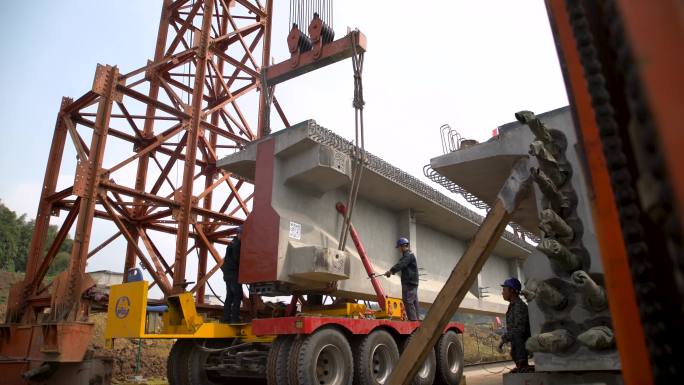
{"points": [[517, 324], [408, 267]]}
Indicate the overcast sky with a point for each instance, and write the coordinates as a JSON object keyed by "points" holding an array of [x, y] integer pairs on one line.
{"points": [[471, 64]]}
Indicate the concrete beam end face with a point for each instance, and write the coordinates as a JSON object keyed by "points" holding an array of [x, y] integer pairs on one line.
{"points": [[242, 164], [316, 263], [318, 169]]}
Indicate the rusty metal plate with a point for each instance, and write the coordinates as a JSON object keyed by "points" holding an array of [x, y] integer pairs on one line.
{"points": [[102, 83], [81, 179]]}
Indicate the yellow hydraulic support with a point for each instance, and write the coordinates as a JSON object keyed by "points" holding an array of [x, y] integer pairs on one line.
{"points": [[127, 317]]}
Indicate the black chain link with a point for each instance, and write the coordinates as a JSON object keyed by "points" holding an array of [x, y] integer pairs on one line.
{"points": [[660, 308]]}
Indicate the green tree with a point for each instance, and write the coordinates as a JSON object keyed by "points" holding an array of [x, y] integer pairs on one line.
{"points": [[10, 228], [15, 240]]}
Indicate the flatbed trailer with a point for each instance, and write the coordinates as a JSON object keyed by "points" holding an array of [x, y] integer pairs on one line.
{"points": [[332, 345]]}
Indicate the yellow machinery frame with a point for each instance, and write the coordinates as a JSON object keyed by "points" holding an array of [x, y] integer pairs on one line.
{"points": [[127, 317]]}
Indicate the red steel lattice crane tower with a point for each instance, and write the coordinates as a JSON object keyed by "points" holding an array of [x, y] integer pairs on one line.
{"points": [[192, 103]]}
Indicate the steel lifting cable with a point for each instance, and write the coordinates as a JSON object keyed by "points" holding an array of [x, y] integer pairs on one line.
{"points": [[358, 152]]}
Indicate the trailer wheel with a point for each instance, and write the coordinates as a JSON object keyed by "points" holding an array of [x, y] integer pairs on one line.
{"points": [[176, 363], [197, 359], [277, 363], [324, 358], [428, 371], [449, 359], [293, 360], [375, 357]]}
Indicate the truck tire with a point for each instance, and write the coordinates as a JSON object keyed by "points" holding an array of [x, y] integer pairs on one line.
{"points": [[197, 358], [293, 359], [449, 359], [324, 358], [277, 363], [375, 356], [428, 371], [176, 363]]}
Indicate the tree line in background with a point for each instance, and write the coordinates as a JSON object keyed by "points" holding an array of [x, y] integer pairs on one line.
{"points": [[15, 239]]}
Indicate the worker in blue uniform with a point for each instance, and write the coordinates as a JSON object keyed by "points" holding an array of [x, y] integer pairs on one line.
{"points": [[408, 266]]}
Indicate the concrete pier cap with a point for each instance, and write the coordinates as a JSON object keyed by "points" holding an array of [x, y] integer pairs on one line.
{"points": [[301, 172]]}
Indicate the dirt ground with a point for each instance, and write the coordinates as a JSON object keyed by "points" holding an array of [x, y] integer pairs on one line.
{"points": [[480, 344], [487, 374], [153, 354]]}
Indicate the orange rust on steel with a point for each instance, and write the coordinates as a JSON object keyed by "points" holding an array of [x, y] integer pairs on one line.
{"points": [[167, 269], [49, 184], [173, 96], [656, 36], [204, 279], [265, 60], [186, 197], [169, 165], [242, 126], [60, 194], [209, 187], [142, 154], [207, 195], [230, 98], [184, 27], [331, 53], [104, 244], [35, 281], [183, 87], [81, 149], [154, 255], [68, 305], [222, 132], [629, 332], [156, 103], [85, 100], [267, 37], [204, 241], [127, 234], [236, 71], [130, 138], [280, 111], [238, 64], [150, 226]]}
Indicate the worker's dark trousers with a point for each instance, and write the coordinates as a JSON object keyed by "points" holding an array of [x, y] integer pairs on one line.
{"points": [[409, 294], [231, 308], [518, 351]]}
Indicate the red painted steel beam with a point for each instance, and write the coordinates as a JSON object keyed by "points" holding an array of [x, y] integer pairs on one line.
{"points": [[36, 279], [67, 305], [186, 197], [333, 52], [46, 198]]}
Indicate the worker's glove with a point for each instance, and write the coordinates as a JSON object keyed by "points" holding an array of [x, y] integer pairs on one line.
{"points": [[388, 273]]}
